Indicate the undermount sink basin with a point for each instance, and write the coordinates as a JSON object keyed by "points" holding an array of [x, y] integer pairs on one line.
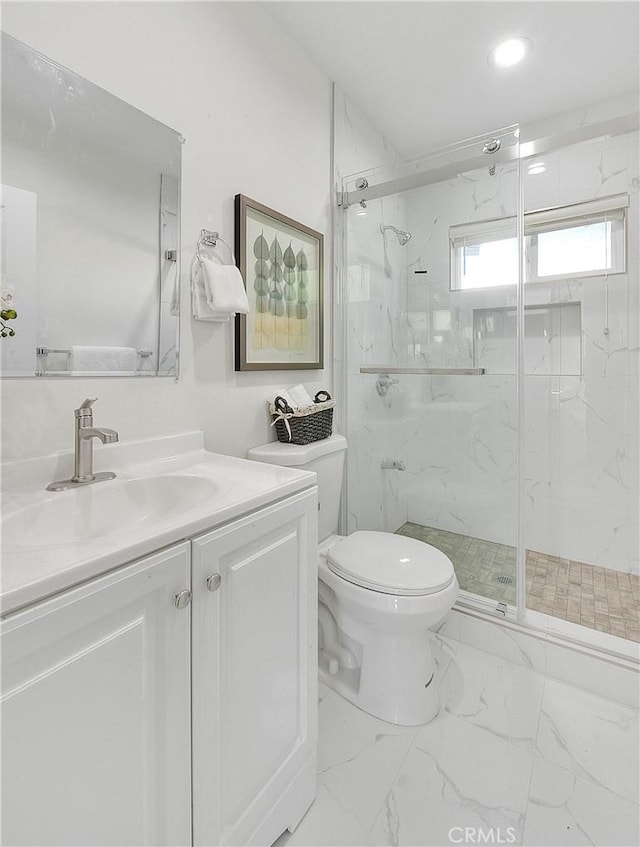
{"points": [[100, 511]]}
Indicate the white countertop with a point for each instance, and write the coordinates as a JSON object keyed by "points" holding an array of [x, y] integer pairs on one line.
{"points": [[32, 570]]}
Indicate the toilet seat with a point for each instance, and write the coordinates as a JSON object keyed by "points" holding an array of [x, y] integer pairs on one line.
{"points": [[390, 564]]}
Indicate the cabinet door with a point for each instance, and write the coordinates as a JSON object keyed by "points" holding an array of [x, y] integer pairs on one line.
{"points": [[255, 674], [95, 712]]}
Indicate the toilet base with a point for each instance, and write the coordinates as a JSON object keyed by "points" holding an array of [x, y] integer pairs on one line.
{"points": [[398, 687]]}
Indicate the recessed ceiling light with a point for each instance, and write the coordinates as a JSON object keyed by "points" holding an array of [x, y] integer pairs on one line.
{"points": [[536, 168], [509, 52]]}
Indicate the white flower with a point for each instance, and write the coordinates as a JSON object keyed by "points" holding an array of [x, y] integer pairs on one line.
{"points": [[6, 298]]}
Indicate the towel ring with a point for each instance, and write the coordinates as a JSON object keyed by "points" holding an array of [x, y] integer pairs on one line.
{"points": [[208, 238]]}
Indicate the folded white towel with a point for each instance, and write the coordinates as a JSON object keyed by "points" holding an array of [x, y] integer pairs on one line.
{"points": [[224, 287], [200, 308], [296, 397], [116, 360], [87, 374], [300, 396], [285, 396]]}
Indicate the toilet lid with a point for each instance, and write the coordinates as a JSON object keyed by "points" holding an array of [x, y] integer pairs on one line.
{"points": [[391, 564]]}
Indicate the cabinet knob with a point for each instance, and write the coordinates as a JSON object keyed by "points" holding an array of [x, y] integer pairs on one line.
{"points": [[213, 582], [182, 599]]}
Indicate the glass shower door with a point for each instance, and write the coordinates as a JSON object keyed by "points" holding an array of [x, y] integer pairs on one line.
{"points": [[430, 296], [582, 389]]}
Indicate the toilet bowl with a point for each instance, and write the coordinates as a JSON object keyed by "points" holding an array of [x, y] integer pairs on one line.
{"points": [[379, 594], [383, 615]]}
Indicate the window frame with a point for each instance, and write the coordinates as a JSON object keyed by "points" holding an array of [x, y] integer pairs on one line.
{"points": [[612, 208]]}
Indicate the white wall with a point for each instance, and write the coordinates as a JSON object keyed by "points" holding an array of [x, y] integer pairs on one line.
{"points": [[256, 114]]}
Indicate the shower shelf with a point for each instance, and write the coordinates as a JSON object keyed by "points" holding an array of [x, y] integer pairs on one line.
{"points": [[393, 369]]}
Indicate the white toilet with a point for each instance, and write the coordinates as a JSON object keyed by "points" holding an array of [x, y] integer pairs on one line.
{"points": [[378, 594]]}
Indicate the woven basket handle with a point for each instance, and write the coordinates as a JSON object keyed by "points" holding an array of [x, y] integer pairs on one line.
{"points": [[322, 397], [282, 406]]}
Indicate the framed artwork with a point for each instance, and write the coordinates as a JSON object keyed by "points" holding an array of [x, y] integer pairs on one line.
{"points": [[281, 262]]}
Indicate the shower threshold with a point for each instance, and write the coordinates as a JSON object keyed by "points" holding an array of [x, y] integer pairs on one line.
{"points": [[599, 598]]}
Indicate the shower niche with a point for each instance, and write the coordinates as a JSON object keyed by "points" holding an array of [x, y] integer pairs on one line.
{"points": [[552, 342]]}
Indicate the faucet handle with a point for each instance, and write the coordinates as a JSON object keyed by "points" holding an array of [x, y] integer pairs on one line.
{"points": [[85, 408]]}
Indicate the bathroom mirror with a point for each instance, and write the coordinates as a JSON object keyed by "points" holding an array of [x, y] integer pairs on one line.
{"points": [[90, 220]]}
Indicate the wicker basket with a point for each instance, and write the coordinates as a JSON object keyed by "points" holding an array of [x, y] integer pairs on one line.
{"points": [[302, 426]]}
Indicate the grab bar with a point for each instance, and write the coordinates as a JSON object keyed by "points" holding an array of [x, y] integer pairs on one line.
{"points": [[392, 369], [44, 351]]}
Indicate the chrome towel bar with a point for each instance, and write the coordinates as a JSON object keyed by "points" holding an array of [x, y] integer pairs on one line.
{"points": [[393, 369]]}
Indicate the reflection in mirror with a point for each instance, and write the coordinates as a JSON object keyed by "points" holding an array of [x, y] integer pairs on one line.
{"points": [[90, 217]]}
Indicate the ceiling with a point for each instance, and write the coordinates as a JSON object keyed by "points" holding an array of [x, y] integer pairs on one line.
{"points": [[419, 70]]}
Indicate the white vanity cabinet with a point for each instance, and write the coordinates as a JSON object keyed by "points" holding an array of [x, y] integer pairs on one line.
{"points": [[254, 674], [96, 714], [171, 701]]}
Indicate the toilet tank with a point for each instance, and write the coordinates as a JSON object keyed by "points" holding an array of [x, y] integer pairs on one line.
{"points": [[326, 459]]}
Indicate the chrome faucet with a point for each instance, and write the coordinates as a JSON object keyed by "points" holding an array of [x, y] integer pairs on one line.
{"points": [[84, 434]]}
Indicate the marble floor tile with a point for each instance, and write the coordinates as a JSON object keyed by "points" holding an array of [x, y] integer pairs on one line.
{"points": [[566, 810], [358, 757], [456, 775], [442, 652], [493, 693], [595, 739], [517, 757], [492, 636], [326, 824]]}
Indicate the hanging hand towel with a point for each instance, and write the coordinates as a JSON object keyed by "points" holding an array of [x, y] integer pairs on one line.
{"points": [[120, 361], [225, 288], [200, 308]]}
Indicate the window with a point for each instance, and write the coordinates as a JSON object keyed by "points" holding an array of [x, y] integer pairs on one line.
{"points": [[585, 239], [582, 240]]}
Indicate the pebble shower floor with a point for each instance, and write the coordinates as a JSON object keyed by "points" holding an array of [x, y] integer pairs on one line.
{"points": [[598, 598]]}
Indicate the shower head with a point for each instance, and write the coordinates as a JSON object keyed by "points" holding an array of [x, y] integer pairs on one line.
{"points": [[400, 234]]}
